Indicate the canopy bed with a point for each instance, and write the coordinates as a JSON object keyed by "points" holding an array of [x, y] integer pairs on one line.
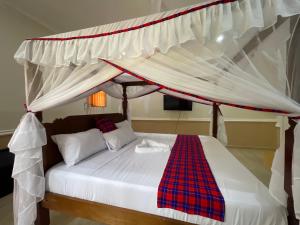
{"points": [[226, 52], [118, 174]]}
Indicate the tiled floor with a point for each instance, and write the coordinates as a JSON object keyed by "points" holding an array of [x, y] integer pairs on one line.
{"points": [[6, 217], [251, 158]]}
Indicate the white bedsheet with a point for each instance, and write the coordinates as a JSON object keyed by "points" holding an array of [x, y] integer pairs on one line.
{"points": [[130, 180]]}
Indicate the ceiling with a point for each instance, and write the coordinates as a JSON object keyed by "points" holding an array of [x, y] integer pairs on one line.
{"points": [[67, 15]]}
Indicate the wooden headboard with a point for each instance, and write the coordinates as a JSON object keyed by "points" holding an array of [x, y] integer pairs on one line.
{"points": [[70, 124]]}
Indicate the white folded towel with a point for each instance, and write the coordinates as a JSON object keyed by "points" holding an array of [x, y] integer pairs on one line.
{"points": [[151, 146]]}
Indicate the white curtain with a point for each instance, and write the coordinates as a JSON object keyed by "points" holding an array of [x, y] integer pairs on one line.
{"points": [[203, 22], [189, 53], [48, 87], [276, 185], [185, 72], [28, 172], [293, 62], [116, 90]]}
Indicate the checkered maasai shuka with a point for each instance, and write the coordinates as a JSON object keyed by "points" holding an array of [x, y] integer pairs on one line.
{"points": [[188, 184]]}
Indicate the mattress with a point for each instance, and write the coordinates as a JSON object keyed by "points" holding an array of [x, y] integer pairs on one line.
{"points": [[130, 180]]}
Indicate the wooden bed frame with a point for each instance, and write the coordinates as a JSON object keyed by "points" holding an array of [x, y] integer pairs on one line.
{"points": [[112, 215], [101, 213]]}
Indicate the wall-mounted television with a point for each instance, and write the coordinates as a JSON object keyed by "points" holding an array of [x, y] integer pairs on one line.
{"points": [[173, 103]]}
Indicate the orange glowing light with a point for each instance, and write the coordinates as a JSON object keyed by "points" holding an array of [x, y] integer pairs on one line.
{"points": [[97, 100]]}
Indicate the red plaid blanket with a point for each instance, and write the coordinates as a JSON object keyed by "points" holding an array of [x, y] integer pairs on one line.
{"points": [[188, 184]]}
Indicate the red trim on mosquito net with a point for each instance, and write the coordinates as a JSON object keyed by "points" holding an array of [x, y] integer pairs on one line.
{"points": [[100, 84], [195, 96], [196, 8]]}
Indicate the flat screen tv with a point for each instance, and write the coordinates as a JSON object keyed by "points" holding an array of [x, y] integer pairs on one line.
{"points": [[173, 103]]}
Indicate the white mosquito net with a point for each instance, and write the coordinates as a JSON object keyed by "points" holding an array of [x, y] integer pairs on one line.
{"points": [[226, 52]]}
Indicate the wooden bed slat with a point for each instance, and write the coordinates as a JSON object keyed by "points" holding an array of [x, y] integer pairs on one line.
{"points": [[103, 213]]}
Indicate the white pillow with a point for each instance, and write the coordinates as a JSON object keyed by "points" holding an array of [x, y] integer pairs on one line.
{"points": [[116, 139], [123, 124], [78, 146]]}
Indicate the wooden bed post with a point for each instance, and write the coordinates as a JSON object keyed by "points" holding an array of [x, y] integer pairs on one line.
{"points": [[125, 99], [125, 102], [43, 215], [215, 120], [39, 115], [289, 145]]}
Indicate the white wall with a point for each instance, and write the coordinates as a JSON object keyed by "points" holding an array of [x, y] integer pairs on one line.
{"points": [[78, 108], [14, 28]]}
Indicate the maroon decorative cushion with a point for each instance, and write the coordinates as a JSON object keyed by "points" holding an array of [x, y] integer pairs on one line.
{"points": [[105, 125]]}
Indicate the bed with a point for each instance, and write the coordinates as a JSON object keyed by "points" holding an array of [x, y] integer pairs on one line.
{"points": [[123, 185]]}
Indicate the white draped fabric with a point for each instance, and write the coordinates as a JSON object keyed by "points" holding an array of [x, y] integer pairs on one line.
{"points": [[199, 53], [204, 24], [276, 185], [28, 172], [186, 72], [116, 90]]}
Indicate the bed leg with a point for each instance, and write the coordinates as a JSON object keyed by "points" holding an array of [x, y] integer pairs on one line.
{"points": [[43, 216]]}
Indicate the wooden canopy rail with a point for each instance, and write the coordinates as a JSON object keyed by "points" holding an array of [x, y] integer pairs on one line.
{"points": [[135, 83], [98, 212]]}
